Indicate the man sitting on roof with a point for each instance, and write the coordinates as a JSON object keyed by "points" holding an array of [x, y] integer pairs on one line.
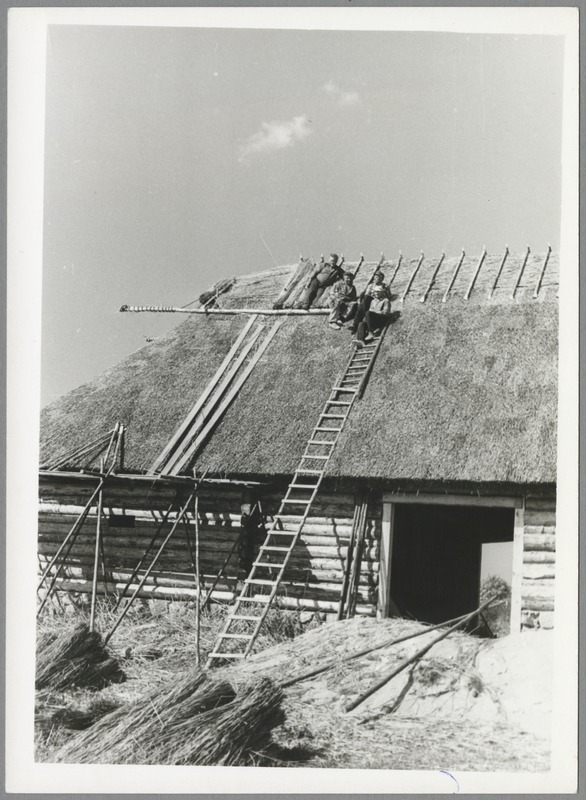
{"points": [[378, 313], [324, 275], [342, 301]]}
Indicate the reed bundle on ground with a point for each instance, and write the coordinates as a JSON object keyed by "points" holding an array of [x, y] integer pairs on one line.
{"points": [[49, 716], [75, 657], [192, 721]]}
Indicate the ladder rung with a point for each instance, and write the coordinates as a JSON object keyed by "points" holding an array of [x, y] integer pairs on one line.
{"points": [[333, 416], [276, 548], [282, 533], [296, 502], [226, 655], [307, 457], [302, 486], [234, 636], [312, 471], [335, 430], [340, 389], [260, 581], [259, 599], [340, 402], [315, 441]]}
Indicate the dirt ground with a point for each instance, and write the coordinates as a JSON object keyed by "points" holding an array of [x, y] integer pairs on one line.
{"points": [[468, 704]]}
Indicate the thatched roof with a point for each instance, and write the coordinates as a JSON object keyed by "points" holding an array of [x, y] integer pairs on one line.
{"points": [[462, 390]]}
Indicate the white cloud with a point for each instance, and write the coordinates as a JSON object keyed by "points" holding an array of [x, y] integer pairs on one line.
{"points": [[275, 136], [342, 98]]}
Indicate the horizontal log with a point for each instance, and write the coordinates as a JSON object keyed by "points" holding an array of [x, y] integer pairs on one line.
{"points": [[168, 593], [133, 550], [322, 605], [539, 557], [168, 574], [177, 548], [143, 519], [539, 530], [85, 564], [159, 579], [147, 592], [537, 604], [539, 517], [113, 497], [148, 521], [533, 571], [544, 589], [540, 503], [540, 541], [137, 539], [320, 591]]}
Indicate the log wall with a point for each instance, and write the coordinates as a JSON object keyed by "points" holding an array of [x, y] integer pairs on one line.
{"points": [[315, 573], [538, 572], [313, 579]]}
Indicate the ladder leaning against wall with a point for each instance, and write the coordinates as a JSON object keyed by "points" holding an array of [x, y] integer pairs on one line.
{"points": [[260, 588]]}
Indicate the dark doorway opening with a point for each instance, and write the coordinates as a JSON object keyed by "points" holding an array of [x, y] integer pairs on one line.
{"points": [[436, 557]]}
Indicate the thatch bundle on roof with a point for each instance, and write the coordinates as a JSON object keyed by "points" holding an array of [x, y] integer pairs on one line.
{"points": [[75, 657], [190, 721]]}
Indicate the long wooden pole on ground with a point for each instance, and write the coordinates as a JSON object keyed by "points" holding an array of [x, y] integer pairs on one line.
{"points": [[330, 664], [361, 698]]}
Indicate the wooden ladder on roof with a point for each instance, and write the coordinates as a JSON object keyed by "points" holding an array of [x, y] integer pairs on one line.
{"points": [[246, 617], [215, 400]]}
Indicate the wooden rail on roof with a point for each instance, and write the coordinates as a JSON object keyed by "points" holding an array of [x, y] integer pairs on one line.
{"points": [[542, 273], [423, 297], [473, 281], [521, 271], [273, 312], [412, 278], [454, 276], [496, 280]]}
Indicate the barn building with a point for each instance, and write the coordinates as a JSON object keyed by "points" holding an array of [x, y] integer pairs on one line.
{"points": [[445, 443]]}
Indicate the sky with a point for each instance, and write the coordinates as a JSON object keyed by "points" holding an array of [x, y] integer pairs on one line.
{"points": [[178, 156]]}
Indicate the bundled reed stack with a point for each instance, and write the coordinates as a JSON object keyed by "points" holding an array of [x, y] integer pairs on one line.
{"points": [[75, 657], [191, 721]]}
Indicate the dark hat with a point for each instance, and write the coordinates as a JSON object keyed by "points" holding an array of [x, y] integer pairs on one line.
{"points": [[334, 256], [349, 275]]}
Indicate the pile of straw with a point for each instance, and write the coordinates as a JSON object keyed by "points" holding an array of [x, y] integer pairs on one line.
{"points": [[48, 717], [193, 721], [75, 658]]}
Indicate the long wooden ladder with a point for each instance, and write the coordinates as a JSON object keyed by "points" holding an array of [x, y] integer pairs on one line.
{"points": [[246, 617]]}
